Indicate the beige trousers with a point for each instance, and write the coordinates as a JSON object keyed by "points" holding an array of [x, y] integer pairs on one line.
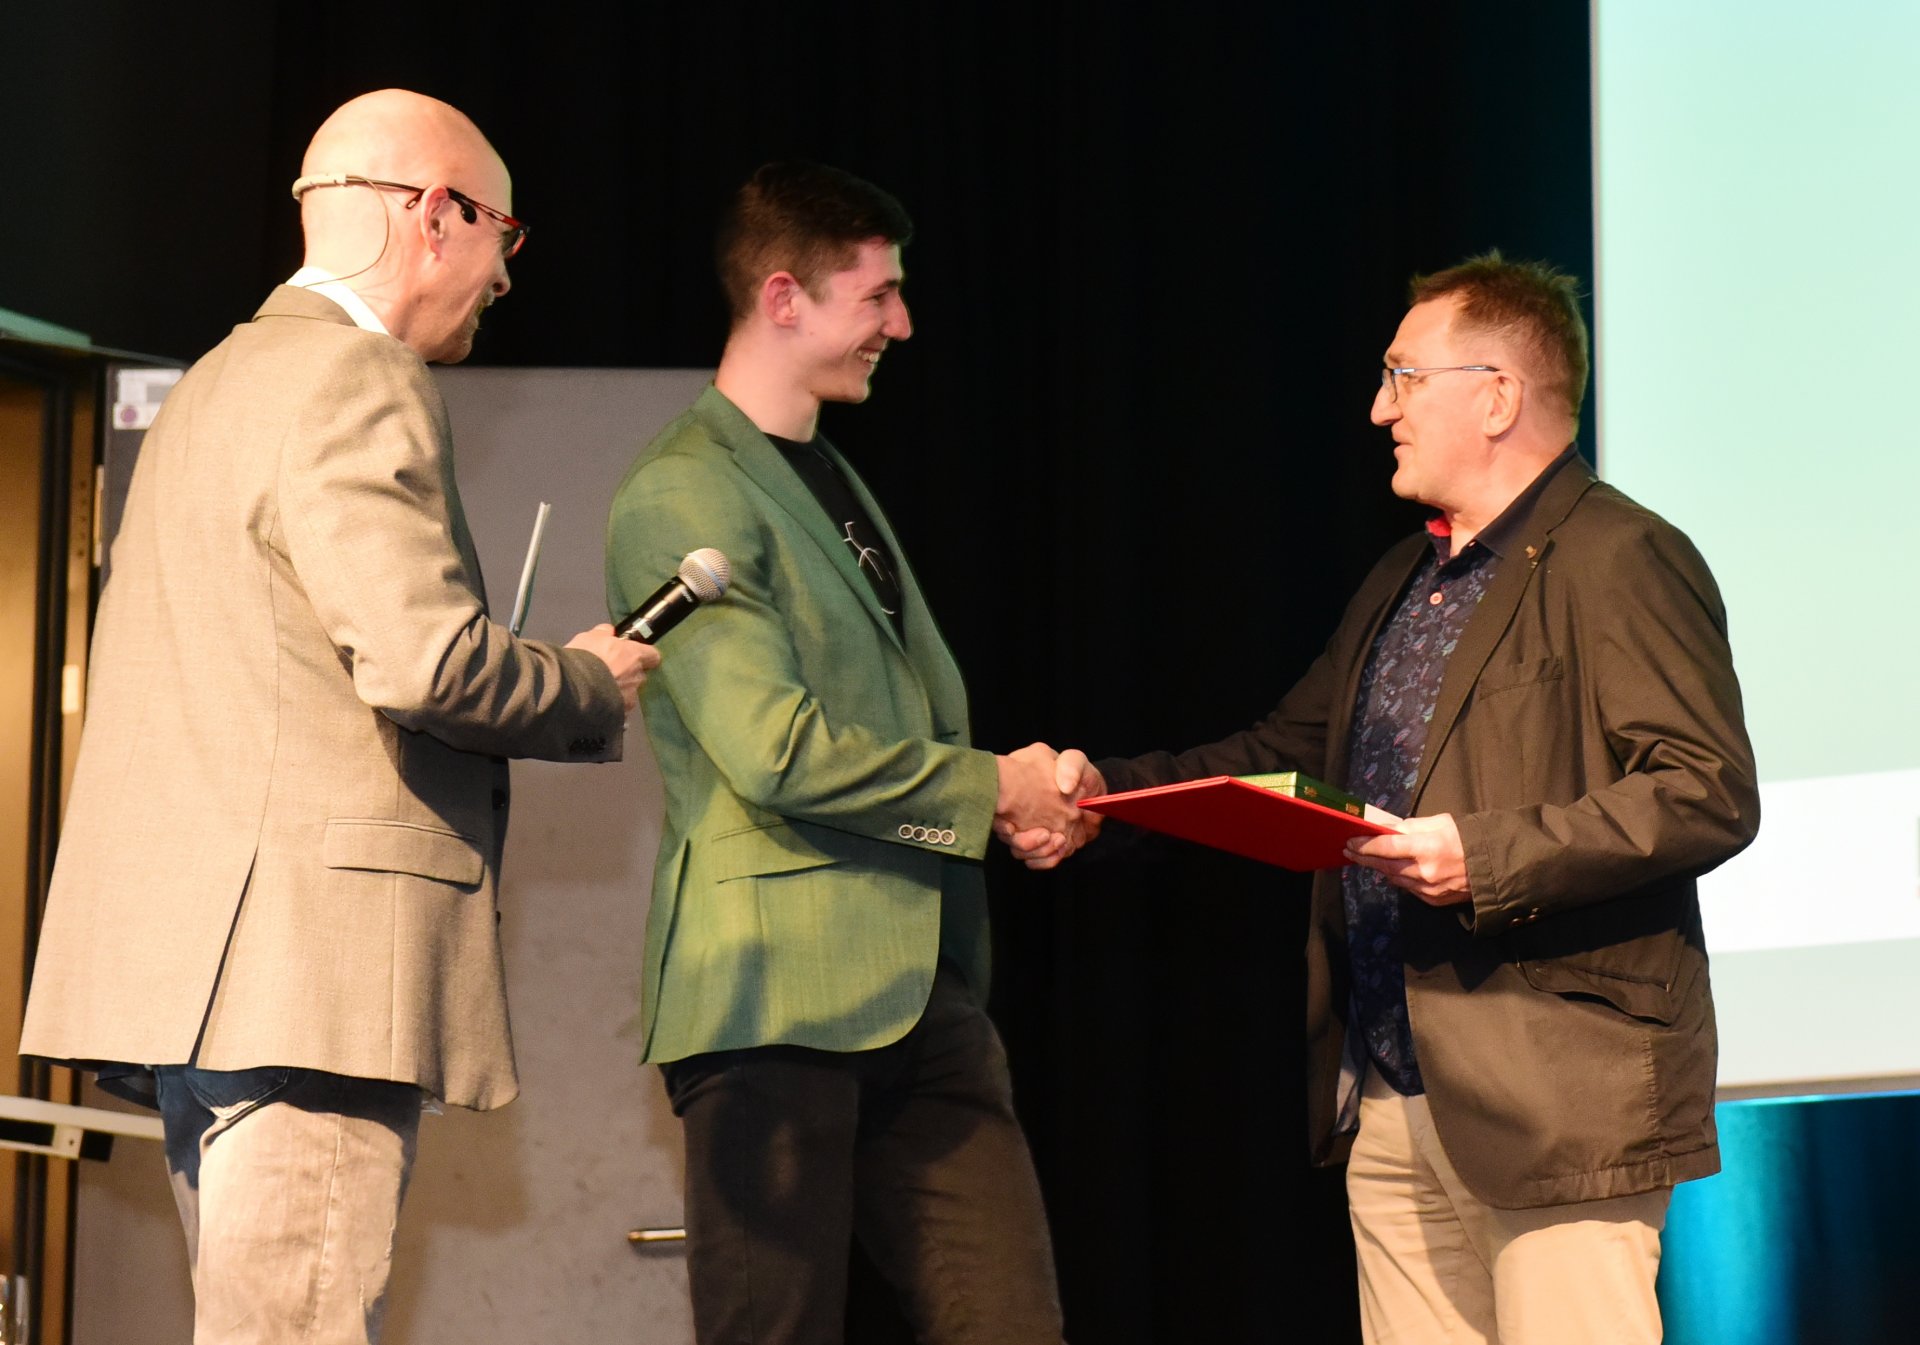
{"points": [[1437, 1265], [289, 1184]]}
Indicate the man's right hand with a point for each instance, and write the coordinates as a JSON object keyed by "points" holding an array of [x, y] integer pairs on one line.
{"points": [[628, 660], [1038, 813]]}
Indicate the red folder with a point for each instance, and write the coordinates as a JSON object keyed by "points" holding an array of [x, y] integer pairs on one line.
{"points": [[1243, 819]]}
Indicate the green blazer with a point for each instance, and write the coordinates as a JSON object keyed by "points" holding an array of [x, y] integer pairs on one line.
{"points": [[825, 813]]}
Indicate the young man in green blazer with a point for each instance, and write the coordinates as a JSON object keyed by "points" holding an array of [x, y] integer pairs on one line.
{"points": [[816, 957]]}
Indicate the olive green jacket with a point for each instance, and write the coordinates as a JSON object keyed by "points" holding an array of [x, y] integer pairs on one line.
{"points": [[824, 810], [1588, 740]]}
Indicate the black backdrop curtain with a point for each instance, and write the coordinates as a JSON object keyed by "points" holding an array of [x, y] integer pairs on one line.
{"points": [[1160, 252]]}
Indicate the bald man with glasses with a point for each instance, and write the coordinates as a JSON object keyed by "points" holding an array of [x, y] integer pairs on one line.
{"points": [[272, 913]]}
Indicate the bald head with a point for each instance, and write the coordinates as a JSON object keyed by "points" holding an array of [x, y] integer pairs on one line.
{"points": [[403, 137], [425, 263]]}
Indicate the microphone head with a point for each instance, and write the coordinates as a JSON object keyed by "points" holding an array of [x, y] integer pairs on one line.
{"points": [[706, 572]]}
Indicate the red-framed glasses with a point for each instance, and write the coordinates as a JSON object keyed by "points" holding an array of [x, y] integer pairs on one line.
{"points": [[514, 232]]}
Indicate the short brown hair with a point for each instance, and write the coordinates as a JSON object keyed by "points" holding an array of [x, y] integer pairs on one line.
{"points": [[803, 218], [1534, 306]]}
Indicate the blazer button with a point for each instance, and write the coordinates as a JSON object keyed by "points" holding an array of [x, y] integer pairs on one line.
{"points": [[906, 832], [946, 836], [919, 833]]}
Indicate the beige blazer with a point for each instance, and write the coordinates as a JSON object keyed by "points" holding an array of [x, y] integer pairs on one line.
{"points": [[288, 810]]}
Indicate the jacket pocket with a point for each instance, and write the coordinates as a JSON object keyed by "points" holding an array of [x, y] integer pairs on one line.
{"points": [[759, 851], [1650, 1000], [1495, 678], [401, 847]]}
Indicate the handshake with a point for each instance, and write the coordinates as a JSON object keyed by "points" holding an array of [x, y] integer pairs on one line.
{"points": [[1038, 811]]}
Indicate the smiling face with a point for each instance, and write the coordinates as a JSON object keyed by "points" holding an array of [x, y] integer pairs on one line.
{"points": [[399, 239], [1439, 421], [845, 328], [473, 266]]}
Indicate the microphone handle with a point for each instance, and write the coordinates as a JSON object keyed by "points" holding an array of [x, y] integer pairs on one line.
{"points": [[666, 609]]}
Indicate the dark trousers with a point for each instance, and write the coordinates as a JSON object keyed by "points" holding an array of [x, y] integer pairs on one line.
{"points": [[913, 1148]]}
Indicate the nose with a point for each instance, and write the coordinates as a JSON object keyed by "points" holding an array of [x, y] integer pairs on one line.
{"points": [[502, 282], [898, 326], [1385, 409]]}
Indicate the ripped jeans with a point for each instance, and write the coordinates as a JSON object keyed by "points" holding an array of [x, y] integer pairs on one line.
{"points": [[289, 1184]]}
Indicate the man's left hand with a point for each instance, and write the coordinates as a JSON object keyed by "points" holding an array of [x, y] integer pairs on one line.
{"points": [[1424, 857]]}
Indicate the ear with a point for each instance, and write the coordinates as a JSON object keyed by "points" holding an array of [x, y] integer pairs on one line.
{"points": [[435, 213], [1506, 402], [780, 296]]}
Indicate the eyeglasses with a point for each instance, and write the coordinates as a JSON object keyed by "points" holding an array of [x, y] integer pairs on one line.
{"points": [[515, 232], [1390, 378]]}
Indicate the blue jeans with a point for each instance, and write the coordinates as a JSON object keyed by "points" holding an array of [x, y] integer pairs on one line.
{"points": [[289, 1184]]}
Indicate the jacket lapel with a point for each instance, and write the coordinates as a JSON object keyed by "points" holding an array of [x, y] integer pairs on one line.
{"points": [[767, 468], [1488, 625], [925, 648]]}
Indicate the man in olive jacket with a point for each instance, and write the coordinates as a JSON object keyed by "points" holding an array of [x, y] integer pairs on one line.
{"points": [[1510, 997], [817, 947]]}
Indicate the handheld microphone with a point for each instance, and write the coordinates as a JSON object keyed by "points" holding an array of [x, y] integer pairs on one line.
{"points": [[704, 576]]}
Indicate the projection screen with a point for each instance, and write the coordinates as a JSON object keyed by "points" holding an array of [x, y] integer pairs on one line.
{"points": [[1758, 212]]}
